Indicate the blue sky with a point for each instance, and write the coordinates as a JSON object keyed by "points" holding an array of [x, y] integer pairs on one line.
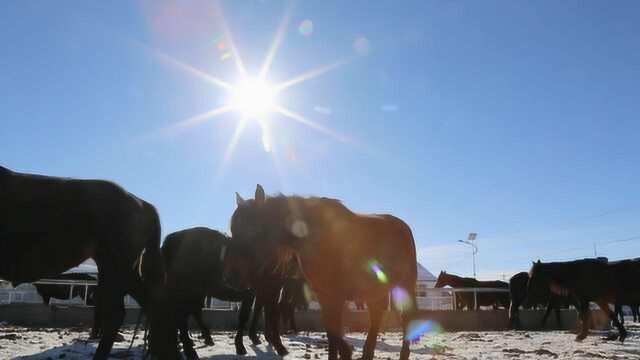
{"points": [[515, 120]]}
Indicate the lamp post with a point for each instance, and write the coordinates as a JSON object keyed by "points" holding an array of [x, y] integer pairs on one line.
{"points": [[471, 241]]}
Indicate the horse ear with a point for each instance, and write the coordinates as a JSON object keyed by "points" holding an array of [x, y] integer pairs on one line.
{"points": [[239, 199], [260, 196], [539, 262]]}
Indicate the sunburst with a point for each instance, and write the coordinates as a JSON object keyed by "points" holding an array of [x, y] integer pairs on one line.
{"points": [[254, 98]]}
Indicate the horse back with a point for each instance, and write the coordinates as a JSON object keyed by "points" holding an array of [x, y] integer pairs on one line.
{"points": [[50, 224]]}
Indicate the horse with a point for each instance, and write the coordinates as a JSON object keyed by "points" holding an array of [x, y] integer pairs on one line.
{"points": [[585, 280], [635, 311], [49, 225], [518, 295], [343, 255], [467, 299], [195, 263]]}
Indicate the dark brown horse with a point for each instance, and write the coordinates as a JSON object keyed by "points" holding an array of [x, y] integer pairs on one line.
{"points": [[586, 280], [195, 262], [49, 225], [468, 299], [343, 255], [518, 294], [635, 311]]}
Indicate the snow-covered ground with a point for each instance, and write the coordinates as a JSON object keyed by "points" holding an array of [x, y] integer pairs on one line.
{"points": [[71, 343]]}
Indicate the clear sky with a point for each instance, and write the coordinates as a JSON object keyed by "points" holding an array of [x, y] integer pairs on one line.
{"points": [[515, 120]]}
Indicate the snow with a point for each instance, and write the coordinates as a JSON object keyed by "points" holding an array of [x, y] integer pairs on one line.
{"points": [[71, 343]]}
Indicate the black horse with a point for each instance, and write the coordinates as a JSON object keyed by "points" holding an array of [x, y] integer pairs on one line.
{"points": [[518, 294], [588, 280], [635, 311], [467, 299], [49, 225], [195, 262]]}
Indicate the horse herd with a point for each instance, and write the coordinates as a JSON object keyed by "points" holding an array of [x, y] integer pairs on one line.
{"points": [[559, 285], [49, 225]]}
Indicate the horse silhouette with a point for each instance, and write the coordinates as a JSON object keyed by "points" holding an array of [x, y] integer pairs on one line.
{"points": [[195, 263], [635, 311], [51, 224], [343, 255], [468, 299], [585, 280], [518, 295]]}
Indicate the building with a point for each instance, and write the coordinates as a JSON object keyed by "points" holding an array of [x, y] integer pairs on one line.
{"points": [[425, 281]]}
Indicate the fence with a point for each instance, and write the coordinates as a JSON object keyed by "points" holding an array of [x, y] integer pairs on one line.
{"points": [[434, 299]]}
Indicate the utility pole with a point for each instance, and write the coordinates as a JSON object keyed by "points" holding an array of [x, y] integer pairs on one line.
{"points": [[595, 250], [471, 241]]}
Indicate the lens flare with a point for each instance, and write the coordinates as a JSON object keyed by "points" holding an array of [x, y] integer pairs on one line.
{"points": [[376, 268], [308, 293], [401, 299], [306, 27], [417, 328]]}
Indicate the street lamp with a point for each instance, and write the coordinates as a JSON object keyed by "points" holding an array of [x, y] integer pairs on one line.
{"points": [[471, 241]]}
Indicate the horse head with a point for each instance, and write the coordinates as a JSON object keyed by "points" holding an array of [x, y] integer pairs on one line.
{"points": [[537, 287], [260, 231], [443, 279]]}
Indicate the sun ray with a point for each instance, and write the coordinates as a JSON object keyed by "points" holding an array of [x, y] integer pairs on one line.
{"points": [[315, 126], [310, 74], [188, 68], [228, 152], [227, 35], [277, 40], [201, 118]]}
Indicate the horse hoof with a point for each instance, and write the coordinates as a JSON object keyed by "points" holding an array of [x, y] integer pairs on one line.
{"points": [[581, 337], [612, 337], [119, 338], [282, 351], [241, 350], [255, 339], [209, 342], [622, 337]]}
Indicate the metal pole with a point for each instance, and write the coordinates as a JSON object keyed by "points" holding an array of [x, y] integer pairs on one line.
{"points": [[475, 299], [474, 262]]}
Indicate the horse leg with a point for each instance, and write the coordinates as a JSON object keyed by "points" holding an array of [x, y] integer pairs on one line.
{"points": [[292, 319], [550, 306], [407, 316], [635, 310], [514, 314], [332, 318], [558, 312], [271, 320], [246, 297], [187, 343], [111, 301], [622, 332], [253, 327], [376, 311], [204, 329], [95, 328], [618, 312], [585, 315]]}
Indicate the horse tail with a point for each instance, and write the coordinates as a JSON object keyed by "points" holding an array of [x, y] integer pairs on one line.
{"points": [[151, 264]]}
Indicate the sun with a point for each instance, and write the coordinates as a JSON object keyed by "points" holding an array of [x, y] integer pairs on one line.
{"points": [[254, 98]]}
